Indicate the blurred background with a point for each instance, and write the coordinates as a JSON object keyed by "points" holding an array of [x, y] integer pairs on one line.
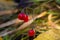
{"points": [[43, 16]]}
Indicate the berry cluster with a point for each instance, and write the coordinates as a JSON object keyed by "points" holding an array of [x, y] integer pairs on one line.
{"points": [[23, 16]]}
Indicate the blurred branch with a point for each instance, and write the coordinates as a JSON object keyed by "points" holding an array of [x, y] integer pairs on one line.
{"points": [[58, 6], [10, 23], [8, 11], [26, 24], [4, 31]]}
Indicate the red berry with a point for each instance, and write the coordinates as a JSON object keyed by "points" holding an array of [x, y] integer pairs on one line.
{"points": [[21, 16], [24, 16], [26, 19], [31, 33]]}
